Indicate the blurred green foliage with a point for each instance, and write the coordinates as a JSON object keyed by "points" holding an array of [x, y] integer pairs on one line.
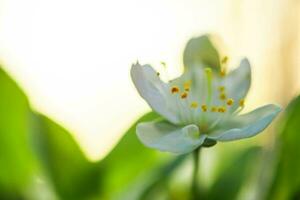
{"points": [[287, 176], [233, 175], [17, 162], [73, 176]]}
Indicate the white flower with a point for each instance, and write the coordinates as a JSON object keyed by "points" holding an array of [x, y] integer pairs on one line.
{"points": [[200, 107]]}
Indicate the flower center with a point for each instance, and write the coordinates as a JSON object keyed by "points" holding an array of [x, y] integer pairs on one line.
{"points": [[211, 111]]}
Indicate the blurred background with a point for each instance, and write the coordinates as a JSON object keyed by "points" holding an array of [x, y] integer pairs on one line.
{"points": [[72, 59]]}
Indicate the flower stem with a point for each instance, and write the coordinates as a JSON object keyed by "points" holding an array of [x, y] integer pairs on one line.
{"points": [[195, 186]]}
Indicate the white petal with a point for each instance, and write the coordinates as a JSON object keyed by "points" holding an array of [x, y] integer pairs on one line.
{"points": [[153, 90], [165, 136], [247, 125], [237, 82]]}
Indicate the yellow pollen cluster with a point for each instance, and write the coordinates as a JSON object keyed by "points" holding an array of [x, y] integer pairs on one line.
{"points": [[213, 109], [221, 88], [222, 96], [223, 72], [187, 86], [224, 60], [230, 102], [204, 108], [163, 64], [194, 105], [242, 102], [221, 109], [174, 89], [184, 95]]}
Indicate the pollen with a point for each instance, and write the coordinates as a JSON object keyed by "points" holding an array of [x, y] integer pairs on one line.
{"points": [[221, 109], [204, 108], [213, 109], [174, 89], [194, 105], [221, 88], [163, 64], [187, 85], [230, 102], [242, 102], [184, 95], [222, 96], [224, 60], [223, 72]]}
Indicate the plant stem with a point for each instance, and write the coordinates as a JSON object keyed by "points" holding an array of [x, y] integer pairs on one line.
{"points": [[195, 186]]}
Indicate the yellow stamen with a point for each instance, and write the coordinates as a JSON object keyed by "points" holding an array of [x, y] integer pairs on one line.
{"points": [[194, 104], [213, 109], [222, 96], [221, 88], [163, 64], [184, 95], [224, 60], [242, 102], [187, 85], [223, 72], [209, 74], [204, 108], [174, 89], [230, 102], [221, 109]]}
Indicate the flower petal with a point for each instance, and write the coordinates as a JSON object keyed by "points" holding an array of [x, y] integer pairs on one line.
{"points": [[200, 52], [237, 82], [153, 90], [165, 136], [247, 125]]}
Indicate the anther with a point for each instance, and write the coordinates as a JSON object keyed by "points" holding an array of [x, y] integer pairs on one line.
{"points": [[230, 102], [157, 73], [208, 72], [174, 89], [187, 85], [221, 109], [194, 105], [204, 108], [224, 60], [242, 102], [184, 95], [223, 72], [222, 96], [163, 64], [213, 109], [221, 88]]}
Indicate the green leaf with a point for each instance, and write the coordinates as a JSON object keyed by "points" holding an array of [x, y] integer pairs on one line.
{"points": [[287, 179], [201, 52], [73, 176], [147, 185], [234, 174], [17, 163], [127, 161]]}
